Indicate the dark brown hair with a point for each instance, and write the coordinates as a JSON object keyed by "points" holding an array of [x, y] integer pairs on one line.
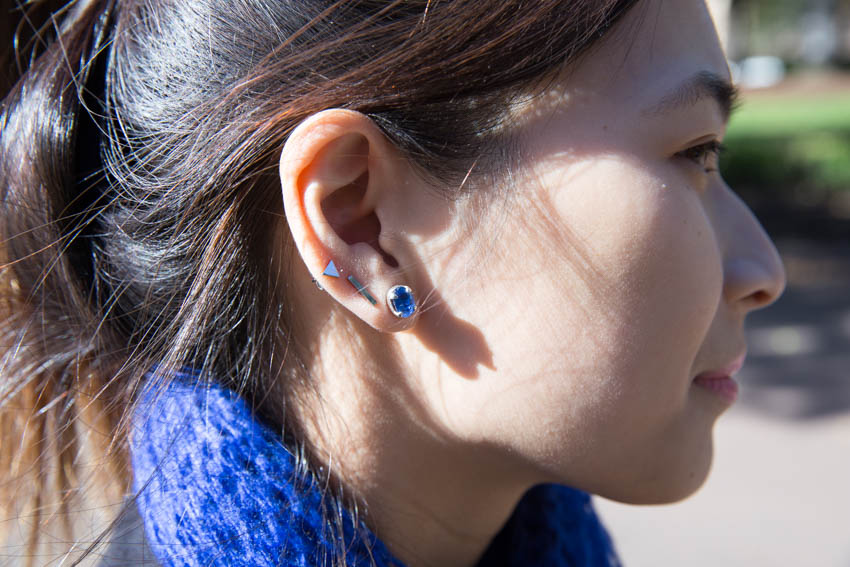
{"points": [[138, 174]]}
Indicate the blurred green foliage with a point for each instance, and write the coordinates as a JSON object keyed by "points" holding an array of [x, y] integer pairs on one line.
{"points": [[787, 115], [791, 149], [770, 13]]}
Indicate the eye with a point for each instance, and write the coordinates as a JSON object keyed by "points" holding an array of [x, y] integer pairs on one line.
{"points": [[706, 155]]}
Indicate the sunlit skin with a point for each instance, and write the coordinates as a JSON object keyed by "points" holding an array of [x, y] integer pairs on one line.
{"points": [[562, 326]]}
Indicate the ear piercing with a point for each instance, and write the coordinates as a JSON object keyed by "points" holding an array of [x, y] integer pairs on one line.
{"points": [[361, 289], [331, 270], [401, 302], [400, 298]]}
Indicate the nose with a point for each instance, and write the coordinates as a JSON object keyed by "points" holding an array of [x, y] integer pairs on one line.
{"points": [[753, 274]]}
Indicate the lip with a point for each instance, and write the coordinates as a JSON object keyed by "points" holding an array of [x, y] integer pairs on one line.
{"points": [[725, 372], [720, 381]]}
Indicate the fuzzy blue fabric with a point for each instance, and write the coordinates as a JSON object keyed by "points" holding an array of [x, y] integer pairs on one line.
{"points": [[217, 487]]}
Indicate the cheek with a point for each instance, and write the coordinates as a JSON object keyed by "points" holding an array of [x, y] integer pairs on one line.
{"points": [[656, 272], [626, 280], [659, 284], [594, 299]]}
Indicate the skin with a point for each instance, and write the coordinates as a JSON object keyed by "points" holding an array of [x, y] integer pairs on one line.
{"points": [[560, 331]]}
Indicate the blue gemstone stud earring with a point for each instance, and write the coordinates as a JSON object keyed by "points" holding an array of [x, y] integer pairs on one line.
{"points": [[401, 301]]}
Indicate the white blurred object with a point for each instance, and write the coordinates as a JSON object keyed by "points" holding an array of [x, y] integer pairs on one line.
{"points": [[820, 37], [786, 340], [758, 72]]}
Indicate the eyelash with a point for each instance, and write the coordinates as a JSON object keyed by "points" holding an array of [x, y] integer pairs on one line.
{"points": [[701, 154]]}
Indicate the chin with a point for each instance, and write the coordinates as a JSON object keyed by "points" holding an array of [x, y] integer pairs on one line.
{"points": [[675, 492], [657, 495], [665, 486]]}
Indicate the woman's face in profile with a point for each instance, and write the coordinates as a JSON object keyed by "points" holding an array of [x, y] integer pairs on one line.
{"points": [[623, 268]]}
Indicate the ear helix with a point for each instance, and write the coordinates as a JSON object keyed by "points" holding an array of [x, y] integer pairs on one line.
{"points": [[400, 299]]}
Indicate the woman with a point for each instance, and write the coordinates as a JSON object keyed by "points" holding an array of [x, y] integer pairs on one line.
{"points": [[341, 282]]}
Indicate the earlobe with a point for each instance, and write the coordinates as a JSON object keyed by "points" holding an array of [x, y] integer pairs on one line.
{"points": [[339, 175]]}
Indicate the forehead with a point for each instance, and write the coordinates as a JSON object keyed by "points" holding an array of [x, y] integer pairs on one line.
{"points": [[658, 44]]}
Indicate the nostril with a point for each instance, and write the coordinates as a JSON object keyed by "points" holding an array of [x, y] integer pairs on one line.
{"points": [[769, 293], [754, 283], [762, 298]]}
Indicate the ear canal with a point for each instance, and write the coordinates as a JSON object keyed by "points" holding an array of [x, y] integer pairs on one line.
{"points": [[344, 211]]}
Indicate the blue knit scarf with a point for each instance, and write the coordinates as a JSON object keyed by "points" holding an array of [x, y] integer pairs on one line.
{"points": [[217, 487]]}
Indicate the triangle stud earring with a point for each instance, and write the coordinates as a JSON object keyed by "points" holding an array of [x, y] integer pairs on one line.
{"points": [[331, 270]]}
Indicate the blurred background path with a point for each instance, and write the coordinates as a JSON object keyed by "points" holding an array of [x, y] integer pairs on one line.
{"points": [[779, 491]]}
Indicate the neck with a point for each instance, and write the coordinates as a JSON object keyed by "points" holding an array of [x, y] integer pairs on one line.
{"points": [[433, 513], [431, 499]]}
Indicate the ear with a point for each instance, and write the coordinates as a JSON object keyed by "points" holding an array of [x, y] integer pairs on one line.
{"points": [[346, 192]]}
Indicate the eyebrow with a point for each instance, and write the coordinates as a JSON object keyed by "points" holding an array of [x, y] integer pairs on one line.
{"points": [[703, 85]]}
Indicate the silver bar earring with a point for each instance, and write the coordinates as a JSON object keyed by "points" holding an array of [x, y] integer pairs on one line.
{"points": [[362, 290]]}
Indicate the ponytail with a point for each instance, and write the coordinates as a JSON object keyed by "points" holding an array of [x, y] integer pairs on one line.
{"points": [[55, 403]]}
